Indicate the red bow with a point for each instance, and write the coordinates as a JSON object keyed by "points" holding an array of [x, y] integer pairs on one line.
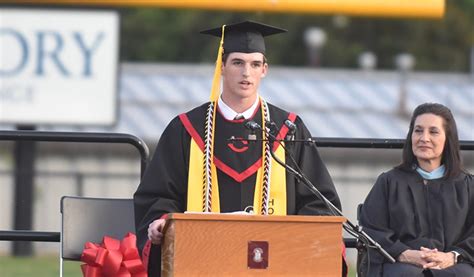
{"points": [[112, 258]]}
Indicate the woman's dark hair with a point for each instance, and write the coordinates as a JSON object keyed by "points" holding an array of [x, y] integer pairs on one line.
{"points": [[451, 156]]}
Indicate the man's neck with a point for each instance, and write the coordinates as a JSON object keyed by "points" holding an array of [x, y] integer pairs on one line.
{"points": [[237, 104]]}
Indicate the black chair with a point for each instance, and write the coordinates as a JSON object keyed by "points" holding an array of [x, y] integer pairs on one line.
{"points": [[90, 219]]}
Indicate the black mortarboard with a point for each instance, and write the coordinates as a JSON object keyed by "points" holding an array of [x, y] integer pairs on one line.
{"points": [[245, 37]]}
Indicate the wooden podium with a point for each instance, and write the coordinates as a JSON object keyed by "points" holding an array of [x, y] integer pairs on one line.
{"points": [[247, 245]]}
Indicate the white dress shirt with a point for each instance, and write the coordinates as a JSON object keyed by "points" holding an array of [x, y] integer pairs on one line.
{"points": [[230, 114]]}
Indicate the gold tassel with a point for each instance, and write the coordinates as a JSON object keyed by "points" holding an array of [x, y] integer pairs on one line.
{"points": [[216, 82]]}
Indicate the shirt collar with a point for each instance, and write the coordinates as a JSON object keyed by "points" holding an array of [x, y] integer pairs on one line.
{"points": [[230, 114], [435, 174]]}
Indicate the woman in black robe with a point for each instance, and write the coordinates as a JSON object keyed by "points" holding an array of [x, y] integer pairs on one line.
{"points": [[422, 211]]}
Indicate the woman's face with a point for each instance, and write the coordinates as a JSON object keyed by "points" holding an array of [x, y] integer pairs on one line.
{"points": [[428, 139]]}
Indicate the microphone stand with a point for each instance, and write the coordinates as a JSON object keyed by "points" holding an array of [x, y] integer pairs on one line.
{"points": [[351, 228]]}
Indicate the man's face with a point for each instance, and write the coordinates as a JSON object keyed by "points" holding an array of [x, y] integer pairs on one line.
{"points": [[242, 73]]}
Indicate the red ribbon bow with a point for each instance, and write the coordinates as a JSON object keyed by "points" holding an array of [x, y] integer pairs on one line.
{"points": [[112, 258]]}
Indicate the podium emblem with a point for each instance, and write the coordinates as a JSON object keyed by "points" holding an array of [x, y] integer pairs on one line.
{"points": [[257, 256]]}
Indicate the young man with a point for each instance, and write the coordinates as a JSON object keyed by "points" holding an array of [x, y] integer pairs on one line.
{"points": [[197, 168]]}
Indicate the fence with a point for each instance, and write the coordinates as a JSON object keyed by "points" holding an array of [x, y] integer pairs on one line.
{"points": [[17, 136], [26, 235]]}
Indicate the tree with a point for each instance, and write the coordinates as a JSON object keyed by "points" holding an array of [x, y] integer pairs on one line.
{"points": [[170, 35]]}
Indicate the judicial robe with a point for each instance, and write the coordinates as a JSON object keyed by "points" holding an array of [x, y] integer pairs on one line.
{"points": [[402, 213], [163, 188]]}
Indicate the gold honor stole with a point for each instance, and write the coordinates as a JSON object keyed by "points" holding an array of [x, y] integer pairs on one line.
{"points": [[277, 202]]}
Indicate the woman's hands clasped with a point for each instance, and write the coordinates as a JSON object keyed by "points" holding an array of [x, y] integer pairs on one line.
{"points": [[427, 258]]}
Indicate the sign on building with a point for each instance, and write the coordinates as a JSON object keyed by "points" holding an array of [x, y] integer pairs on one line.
{"points": [[58, 66]]}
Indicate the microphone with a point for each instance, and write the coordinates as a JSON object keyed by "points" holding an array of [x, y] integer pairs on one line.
{"points": [[252, 126], [351, 228], [291, 126], [272, 127], [291, 129]]}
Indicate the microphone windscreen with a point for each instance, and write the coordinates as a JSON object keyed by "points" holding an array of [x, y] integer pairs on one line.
{"points": [[252, 125], [290, 125]]}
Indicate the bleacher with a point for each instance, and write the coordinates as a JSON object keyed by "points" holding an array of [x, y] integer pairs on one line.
{"points": [[333, 103]]}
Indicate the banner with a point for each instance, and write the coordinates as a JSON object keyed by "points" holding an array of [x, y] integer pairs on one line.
{"points": [[58, 66], [378, 8]]}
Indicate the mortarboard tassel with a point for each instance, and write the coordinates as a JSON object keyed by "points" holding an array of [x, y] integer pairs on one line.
{"points": [[216, 82]]}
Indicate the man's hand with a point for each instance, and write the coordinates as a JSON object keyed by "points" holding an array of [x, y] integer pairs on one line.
{"points": [[436, 259], [155, 230]]}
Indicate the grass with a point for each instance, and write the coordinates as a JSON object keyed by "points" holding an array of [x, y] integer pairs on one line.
{"points": [[47, 266], [38, 266]]}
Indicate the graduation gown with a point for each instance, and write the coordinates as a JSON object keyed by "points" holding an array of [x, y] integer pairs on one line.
{"points": [[163, 188], [402, 213]]}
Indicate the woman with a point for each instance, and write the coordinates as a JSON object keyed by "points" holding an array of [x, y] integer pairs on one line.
{"points": [[422, 211]]}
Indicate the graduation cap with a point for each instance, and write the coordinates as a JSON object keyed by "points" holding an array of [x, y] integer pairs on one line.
{"points": [[245, 37]]}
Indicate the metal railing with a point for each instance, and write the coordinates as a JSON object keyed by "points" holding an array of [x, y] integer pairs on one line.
{"points": [[17, 235], [115, 138], [82, 137], [375, 143]]}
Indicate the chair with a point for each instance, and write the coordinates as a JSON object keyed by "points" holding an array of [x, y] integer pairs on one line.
{"points": [[90, 219]]}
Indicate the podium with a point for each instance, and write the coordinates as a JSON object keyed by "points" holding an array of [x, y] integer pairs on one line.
{"points": [[201, 244]]}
